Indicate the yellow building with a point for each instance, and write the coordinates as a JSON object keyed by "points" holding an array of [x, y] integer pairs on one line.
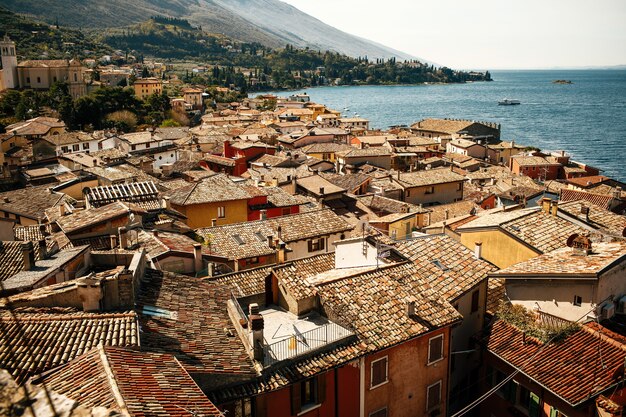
{"points": [[509, 237], [42, 74], [398, 226], [145, 87], [214, 201]]}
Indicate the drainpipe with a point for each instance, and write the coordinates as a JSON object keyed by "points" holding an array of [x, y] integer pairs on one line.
{"points": [[362, 387]]}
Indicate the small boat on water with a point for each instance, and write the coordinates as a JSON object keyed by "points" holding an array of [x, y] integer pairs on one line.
{"points": [[508, 102]]}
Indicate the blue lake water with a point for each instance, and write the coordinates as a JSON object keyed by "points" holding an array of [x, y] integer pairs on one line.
{"points": [[587, 118]]}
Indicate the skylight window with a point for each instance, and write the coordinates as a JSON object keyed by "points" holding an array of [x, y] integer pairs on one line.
{"points": [[238, 239], [439, 265], [260, 236]]}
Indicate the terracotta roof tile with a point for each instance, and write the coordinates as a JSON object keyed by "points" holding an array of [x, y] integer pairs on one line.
{"points": [[213, 189], [572, 368], [150, 384], [34, 340]]}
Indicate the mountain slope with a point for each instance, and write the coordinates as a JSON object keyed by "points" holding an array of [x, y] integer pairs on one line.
{"points": [[269, 22]]}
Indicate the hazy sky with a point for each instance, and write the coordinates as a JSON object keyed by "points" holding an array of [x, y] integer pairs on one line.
{"points": [[487, 34]]}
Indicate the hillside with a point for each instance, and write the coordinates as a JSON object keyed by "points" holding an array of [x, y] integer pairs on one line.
{"points": [[268, 22]]}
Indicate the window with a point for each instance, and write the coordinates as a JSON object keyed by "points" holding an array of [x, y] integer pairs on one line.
{"points": [[76, 148], [308, 394], [133, 147], [54, 79], [460, 187], [408, 193], [147, 145], [529, 401], [475, 300], [28, 80], [75, 77], [433, 395], [38, 79], [578, 300], [379, 413], [435, 349], [316, 245], [85, 146], [378, 375], [65, 149], [556, 413], [221, 212], [430, 190]]}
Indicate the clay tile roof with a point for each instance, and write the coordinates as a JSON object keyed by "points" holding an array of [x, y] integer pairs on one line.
{"points": [[598, 217], [588, 181], [365, 152], [456, 209], [213, 189], [374, 303], [11, 258], [383, 205], [68, 138], [225, 240], [190, 324], [245, 283], [429, 177], [134, 192], [457, 270], [30, 202], [313, 183], [91, 217], [348, 182], [564, 261], [542, 230], [572, 369], [599, 200], [35, 340], [523, 160], [294, 275], [149, 384], [442, 125]]}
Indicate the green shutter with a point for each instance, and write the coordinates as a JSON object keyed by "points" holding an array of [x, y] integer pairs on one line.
{"points": [[533, 405], [553, 412]]}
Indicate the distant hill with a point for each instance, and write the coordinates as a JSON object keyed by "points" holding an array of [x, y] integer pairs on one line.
{"points": [[269, 22]]}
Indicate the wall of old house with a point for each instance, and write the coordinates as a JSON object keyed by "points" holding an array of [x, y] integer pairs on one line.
{"points": [[498, 248], [200, 215], [410, 375], [441, 193]]}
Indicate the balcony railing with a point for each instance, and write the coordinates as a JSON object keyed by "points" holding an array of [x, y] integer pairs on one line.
{"points": [[299, 344]]}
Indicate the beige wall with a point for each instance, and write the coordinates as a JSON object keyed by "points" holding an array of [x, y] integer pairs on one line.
{"points": [[442, 193], [498, 248]]}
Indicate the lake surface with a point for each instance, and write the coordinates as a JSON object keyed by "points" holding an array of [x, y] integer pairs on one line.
{"points": [[587, 118]]}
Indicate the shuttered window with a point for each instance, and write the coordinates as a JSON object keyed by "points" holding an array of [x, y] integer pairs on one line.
{"points": [[379, 372], [433, 395]]}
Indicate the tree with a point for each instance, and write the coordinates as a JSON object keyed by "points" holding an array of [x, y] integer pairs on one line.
{"points": [[9, 101]]}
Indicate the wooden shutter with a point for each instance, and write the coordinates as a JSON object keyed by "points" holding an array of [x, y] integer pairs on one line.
{"points": [[533, 405], [310, 243], [296, 403], [322, 240], [321, 388]]}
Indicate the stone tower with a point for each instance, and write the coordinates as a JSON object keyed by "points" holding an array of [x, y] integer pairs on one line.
{"points": [[9, 64]]}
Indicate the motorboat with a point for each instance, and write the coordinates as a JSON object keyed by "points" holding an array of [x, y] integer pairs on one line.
{"points": [[509, 102]]}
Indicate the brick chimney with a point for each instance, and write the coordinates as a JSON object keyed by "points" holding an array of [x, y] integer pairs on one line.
{"points": [[584, 212], [165, 203], [545, 204], [28, 255], [554, 207], [43, 249]]}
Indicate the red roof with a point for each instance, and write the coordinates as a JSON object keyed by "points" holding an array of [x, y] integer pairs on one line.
{"points": [[149, 384], [588, 181], [599, 200], [571, 369]]}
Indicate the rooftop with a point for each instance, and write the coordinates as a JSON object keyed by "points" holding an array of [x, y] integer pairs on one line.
{"points": [[209, 190], [35, 340], [566, 262], [429, 177], [570, 369]]}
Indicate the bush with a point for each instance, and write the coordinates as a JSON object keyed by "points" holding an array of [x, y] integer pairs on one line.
{"points": [[123, 120]]}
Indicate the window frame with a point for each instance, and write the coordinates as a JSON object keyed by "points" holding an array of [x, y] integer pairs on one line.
{"points": [[429, 361], [428, 406], [221, 212], [578, 301], [316, 245], [372, 385]]}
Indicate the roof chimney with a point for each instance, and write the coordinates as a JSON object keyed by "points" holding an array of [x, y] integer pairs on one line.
{"points": [[28, 254], [410, 309], [165, 203], [123, 234], [256, 325], [270, 241], [554, 207], [211, 269], [197, 257], [321, 190], [478, 250], [43, 230], [617, 193], [584, 211], [545, 204], [43, 249]]}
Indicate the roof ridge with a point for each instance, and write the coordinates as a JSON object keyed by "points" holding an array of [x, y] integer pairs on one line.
{"points": [[115, 389]]}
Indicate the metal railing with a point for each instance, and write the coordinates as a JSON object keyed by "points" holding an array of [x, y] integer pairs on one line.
{"points": [[301, 343], [240, 312]]}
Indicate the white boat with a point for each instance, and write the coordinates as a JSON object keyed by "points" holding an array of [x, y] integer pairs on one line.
{"points": [[509, 102]]}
